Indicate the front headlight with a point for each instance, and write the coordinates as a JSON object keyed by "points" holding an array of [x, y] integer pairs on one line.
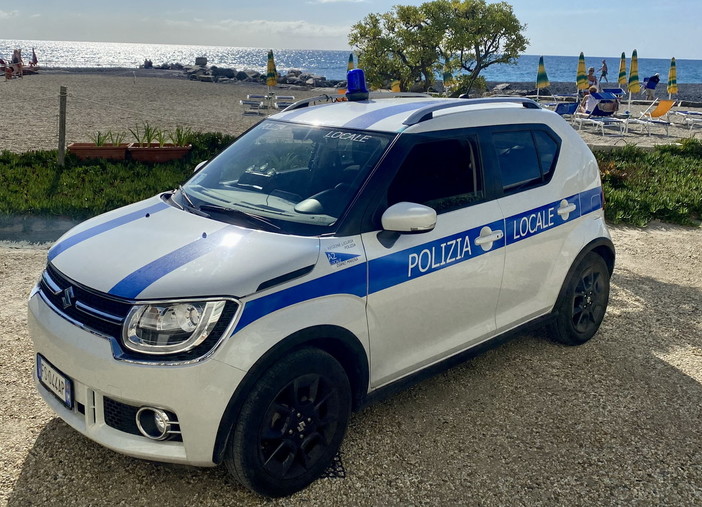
{"points": [[168, 328]]}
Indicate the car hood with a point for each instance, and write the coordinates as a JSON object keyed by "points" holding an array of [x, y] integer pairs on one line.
{"points": [[151, 250]]}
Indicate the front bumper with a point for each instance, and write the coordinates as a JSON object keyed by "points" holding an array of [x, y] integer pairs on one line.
{"points": [[197, 393]]}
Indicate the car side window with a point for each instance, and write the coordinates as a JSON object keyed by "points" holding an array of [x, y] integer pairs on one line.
{"points": [[525, 157], [441, 174]]}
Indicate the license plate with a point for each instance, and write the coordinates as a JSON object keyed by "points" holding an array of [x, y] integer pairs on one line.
{"points": [[55, 381]]}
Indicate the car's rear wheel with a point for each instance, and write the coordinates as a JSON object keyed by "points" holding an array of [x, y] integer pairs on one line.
{"points": [[583, 302], [291, 425]]}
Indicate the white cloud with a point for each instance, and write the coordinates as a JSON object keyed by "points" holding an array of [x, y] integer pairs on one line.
{"points": [[288, 28], [8, 14]]}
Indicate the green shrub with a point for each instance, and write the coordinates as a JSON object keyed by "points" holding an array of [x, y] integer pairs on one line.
{"points": [[33, 182], [639, 186], [665, 184]]}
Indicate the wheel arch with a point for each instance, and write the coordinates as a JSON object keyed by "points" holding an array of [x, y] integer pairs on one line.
{"points": [[602, 247], [338, 342]]}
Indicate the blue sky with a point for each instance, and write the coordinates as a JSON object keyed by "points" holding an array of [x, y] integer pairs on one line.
{"points": [[656, 28]]}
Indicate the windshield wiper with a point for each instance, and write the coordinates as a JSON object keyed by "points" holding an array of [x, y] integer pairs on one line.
{"points": [[253, 219], [191, 205]]}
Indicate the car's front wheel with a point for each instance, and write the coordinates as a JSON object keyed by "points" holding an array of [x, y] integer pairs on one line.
{"points": [[291, 425], [583, 302]]}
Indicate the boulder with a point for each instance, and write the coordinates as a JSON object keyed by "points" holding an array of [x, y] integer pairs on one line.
{"points": [[222, 72]]}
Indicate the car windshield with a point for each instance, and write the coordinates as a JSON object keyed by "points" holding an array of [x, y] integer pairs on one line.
{"points": [[298, 179]]}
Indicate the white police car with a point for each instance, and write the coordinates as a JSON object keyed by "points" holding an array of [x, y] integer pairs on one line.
{"points": [[330, 252]]}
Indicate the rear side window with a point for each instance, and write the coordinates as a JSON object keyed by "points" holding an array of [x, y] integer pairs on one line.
{"points": [[442, 174], [526, 158]]}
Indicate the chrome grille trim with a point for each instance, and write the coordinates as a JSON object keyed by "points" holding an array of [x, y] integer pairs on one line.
{"points": [[108, 317], [53, 287]]}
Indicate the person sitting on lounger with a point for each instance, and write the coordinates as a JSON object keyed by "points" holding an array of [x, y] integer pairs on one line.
{"points": [[589, 102], [591, 78]]}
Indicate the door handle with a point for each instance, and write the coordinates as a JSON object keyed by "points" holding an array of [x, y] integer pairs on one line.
{"points": [[567, 209], [490, 237]]}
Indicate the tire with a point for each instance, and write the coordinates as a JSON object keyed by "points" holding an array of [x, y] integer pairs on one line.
{"points": [[582, 303], [291, 425]]}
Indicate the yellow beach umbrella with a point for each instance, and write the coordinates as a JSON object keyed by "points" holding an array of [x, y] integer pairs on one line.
{"points": [[672, 79], [350, 64], [622, 71], [634, 84], [581, 76], [271, 72], [541, 77]]}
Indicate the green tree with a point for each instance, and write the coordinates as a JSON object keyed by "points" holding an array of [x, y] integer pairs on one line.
{"points": [[479, 35], [398, 45], [411, 44]]}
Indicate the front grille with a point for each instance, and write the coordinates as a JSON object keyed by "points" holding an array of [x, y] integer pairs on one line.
{"points": [[82, 305], [120, 416]]}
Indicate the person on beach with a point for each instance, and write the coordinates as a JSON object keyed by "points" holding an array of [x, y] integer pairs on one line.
{"points": [[589, 102], [591, 78], [15, 68], [651, 84], [603, 71]]}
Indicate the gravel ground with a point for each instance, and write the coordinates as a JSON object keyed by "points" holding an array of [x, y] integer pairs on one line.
{"points": [[616, 421]]}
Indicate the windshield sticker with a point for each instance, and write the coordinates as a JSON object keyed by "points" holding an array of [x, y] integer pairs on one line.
{"points": [[270, 125], [348, 136]]}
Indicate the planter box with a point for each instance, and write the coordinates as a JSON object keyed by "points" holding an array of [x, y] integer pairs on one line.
{"points": [[90, 150], [157, 153]]}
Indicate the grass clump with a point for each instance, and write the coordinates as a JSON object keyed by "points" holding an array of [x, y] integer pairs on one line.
{"points": [[33, 183], [665, 184], [639, 186]]}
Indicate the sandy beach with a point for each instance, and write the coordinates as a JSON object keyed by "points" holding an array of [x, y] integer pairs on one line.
{"points": [[115, 100]]}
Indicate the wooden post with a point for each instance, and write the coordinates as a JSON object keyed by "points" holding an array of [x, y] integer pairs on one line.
{"points": [[62, 126]]}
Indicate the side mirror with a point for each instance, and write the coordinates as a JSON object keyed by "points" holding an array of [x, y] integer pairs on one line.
{"points": [[200, 166], [409, 217]]}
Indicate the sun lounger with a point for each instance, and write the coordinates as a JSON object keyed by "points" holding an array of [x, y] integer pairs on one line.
{"points": [[603, 114], [655, 118], [566, 110], [691, 118], [258, 102], [618, 92]]}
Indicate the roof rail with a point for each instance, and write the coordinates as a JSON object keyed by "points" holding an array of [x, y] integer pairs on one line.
{"points": [[310, 101], [427, 112], [342, 98]]}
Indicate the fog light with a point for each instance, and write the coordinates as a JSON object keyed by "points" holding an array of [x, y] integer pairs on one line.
{"points": [[154, 423]]}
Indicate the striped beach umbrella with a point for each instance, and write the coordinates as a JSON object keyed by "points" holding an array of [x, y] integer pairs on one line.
{"points": [[350, 64], [634, 83], [672, 79], [271, 72], [541, 77], [622, 71], [581, 76]]}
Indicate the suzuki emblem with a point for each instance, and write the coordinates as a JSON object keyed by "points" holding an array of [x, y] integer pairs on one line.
{"points": [[67, 298]]}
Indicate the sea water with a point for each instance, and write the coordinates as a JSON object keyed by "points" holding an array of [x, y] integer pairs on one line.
{"points": [[328, 63]]}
